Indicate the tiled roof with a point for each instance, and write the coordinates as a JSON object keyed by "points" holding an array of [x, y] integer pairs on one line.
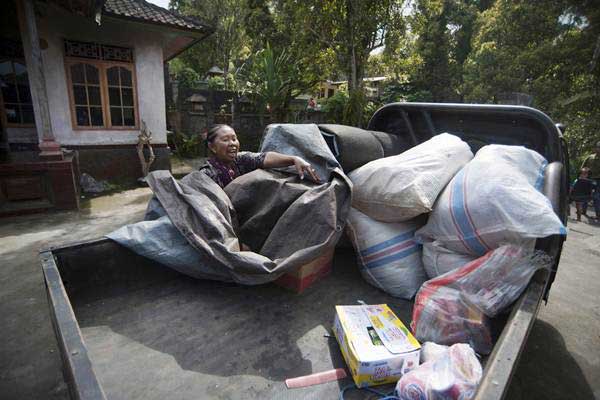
{"points": [[143, 11]]}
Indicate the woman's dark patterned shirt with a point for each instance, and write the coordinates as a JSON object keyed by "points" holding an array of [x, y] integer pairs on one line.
{"points": [[223, 173]]}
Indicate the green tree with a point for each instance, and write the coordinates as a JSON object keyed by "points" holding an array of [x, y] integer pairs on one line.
{"points": [[443, 31], [228, 45], [547, 50], [352, 29]]}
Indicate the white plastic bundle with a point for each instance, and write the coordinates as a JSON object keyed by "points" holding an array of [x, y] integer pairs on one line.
{"points": [[387, 253], [453, 375], [431, 351], [494, 199], [398, 188]]}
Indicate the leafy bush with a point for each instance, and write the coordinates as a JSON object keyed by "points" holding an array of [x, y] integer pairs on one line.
{"points": [[369, 110], [216, 82], [188, 78], [403, 91], [184, 146], [349, 109], [334, 107]]}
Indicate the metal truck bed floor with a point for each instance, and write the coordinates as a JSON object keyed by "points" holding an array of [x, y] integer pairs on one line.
{"points": [[190, 339]]}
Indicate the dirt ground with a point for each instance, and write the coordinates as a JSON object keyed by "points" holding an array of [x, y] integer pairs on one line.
{"points": [[561, 358]]}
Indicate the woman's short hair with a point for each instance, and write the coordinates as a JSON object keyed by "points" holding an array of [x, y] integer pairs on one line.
{"points": [[211, 133]]}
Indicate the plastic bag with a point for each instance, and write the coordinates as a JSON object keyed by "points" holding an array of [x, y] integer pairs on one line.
{"points": [[388, 256], [453, 308], [432, 351], [497, 282], [441, 315], [454, 375], [398, 188], [493, 200]]}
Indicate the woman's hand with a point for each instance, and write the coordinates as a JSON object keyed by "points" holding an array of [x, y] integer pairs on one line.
{"points": [[276, 160], [304, 167]]}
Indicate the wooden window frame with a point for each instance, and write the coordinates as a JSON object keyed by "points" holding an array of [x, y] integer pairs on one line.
{"points": [[102, 66], [2, 107]]}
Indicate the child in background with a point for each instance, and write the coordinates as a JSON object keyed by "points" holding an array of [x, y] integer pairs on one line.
{"points": [[581, 192]]}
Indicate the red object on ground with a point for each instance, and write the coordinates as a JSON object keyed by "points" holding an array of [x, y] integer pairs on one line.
{"points": [[307, 274], [316, 379]]}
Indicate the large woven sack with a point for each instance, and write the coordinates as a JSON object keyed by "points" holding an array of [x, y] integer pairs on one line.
{"points": [[495, 199], [438, 260], [398, 188], [388, 256]]}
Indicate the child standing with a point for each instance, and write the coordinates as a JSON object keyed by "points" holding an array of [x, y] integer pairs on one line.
{"points": [[581, 192]]}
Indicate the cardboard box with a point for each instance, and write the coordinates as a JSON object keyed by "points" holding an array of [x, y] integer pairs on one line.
{"points": [[376, 345], [307, 274]]}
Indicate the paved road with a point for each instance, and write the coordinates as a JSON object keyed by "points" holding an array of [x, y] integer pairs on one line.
{"points": [[561, 358]]}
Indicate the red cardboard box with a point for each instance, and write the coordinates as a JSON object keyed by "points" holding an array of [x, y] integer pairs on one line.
{"points": [[307, 274]]}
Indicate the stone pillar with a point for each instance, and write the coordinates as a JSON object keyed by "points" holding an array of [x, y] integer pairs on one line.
{"points": [[49, 148]]}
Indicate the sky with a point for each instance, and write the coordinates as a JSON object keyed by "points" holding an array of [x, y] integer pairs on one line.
{"points": [[162, 3]]}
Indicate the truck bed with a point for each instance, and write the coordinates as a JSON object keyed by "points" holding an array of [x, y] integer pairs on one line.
{"points": [[151, 333], [147, 332]]}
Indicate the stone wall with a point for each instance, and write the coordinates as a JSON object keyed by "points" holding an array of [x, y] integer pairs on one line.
{"points": [[118, 163], [194, 110]]}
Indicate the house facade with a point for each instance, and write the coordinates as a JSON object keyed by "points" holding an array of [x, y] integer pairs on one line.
{"points": [[79, 77]]}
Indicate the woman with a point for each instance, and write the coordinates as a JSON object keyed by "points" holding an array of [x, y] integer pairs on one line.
{"points": [[227, 163]]}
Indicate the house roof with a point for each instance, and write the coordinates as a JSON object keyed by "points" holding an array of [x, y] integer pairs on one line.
{"points": [[375, 79], [142, 11]]}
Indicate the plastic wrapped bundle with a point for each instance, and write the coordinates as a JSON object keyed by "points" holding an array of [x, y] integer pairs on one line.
{"points": [[452, 376], [398, 188], [432, 351], [453, 308], [498, 281], [441, 315], [495, 199], [387, 253]]}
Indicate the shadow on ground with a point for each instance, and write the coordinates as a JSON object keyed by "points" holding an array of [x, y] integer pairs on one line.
{"points": [[560, 368]]}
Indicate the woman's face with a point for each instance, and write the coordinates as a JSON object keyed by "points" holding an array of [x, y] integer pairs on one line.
{"points": [[225, 145]]}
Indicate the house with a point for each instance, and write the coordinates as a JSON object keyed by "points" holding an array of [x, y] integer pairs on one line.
{"points": [[374, 85], [78, 78], [328, 88]]}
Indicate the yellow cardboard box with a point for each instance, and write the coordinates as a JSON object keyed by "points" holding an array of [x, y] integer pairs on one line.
{"points": [[376, 345]]}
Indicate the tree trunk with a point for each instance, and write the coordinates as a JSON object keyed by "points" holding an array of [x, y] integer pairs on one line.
{"points": [[354, 80]]}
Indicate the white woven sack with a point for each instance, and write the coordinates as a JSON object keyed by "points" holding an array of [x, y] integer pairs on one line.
{"points": [[438, 260], [398, 188], [388, 256], [495, 199]]}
